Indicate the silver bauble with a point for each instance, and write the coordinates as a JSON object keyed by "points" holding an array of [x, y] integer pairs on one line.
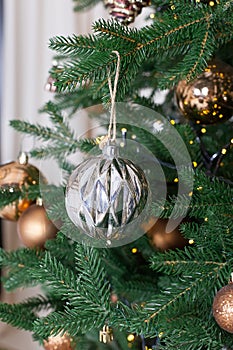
{"points": [[105, 193]]}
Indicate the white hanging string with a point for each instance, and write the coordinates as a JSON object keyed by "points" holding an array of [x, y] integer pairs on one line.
{"points": [[113, 91]]}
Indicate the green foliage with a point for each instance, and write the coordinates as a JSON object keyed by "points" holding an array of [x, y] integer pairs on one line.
{"points": [[209, 196], [135, 288], [85, 294], [20, 263], [59, 139], [19, 316], [193, 38]]}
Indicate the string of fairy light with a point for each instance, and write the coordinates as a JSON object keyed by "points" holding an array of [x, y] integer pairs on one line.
{"points": [[211, 3]]}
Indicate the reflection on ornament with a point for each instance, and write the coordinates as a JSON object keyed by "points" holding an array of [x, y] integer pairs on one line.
{"points": [[223, 308], [16, 175], [105, 193], [125, 11], [160, 239], [34, 228], [59, 342], [209, 98]]}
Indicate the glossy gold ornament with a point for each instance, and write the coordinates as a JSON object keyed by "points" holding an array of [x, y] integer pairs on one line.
{"points": [[34, 228], [223, 308], [15, 175], [59, 342], [209, 98], [162, 240]]}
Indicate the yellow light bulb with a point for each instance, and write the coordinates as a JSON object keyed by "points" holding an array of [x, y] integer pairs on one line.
{"points": [[130, 337]]}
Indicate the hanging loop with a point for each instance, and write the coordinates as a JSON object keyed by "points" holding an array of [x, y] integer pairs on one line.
{"points": [[113, 91]]}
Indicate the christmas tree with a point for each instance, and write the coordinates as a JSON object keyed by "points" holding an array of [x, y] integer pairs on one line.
{"points": [[133, 248]]}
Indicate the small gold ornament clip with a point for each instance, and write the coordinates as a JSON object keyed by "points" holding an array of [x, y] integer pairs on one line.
{"points": [[106, 335]]}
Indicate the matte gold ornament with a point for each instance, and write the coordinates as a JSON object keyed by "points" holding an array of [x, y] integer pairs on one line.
{"points": [[34, 228], [15, 175], [162, 240], [223, 308], [59, 342], [106, 335], [209, 98]]}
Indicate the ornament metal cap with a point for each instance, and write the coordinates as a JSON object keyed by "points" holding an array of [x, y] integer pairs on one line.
{"points": [[110, 150], [39, 201]]}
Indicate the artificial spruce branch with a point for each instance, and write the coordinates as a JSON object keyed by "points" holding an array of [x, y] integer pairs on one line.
{"points": [[135, 46], [19, 315], [20, 263]]}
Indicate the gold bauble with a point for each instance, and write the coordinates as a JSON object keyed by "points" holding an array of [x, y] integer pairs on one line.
{"points": [[223, 308], [162, 240], [17, 174], [59, 342], [209, 98], [34, 228]]}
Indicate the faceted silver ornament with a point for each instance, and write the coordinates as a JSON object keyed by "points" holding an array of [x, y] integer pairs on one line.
{"points": [[105, 193]]}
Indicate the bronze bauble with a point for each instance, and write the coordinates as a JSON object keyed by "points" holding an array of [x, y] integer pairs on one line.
{"points": [[34, 228], [59, 342], [17, 174], [160, 239], [209, 98], [223, 308]]}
